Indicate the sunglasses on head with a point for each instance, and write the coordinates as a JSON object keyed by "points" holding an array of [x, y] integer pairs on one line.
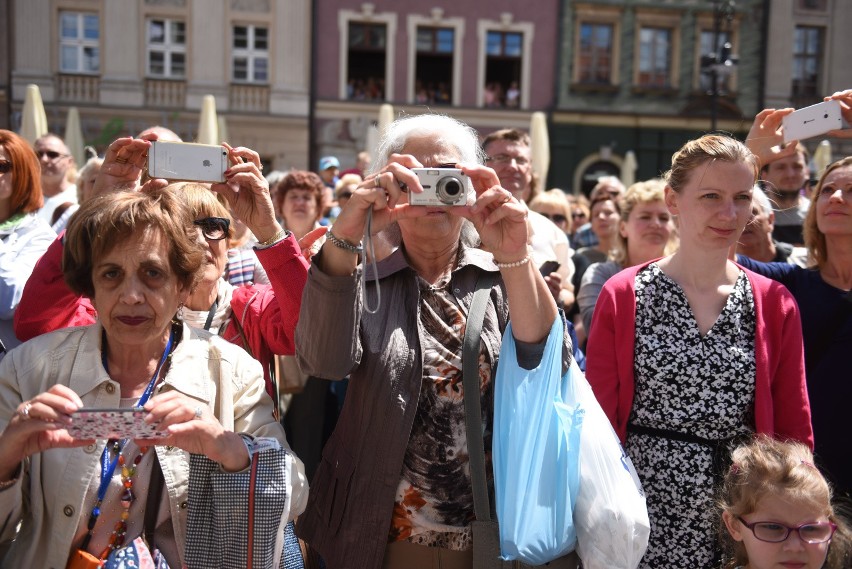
{"points": [[52, 154], [214, 228], [5, 166]]}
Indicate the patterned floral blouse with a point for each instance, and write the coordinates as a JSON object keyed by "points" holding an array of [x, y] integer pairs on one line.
{"points": [[699, 386], [434, 500]]}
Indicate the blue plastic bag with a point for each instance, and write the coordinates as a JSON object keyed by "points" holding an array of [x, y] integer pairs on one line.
{"points": [[535, 453]]}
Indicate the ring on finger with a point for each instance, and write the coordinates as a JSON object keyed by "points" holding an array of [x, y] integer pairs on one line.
{"points": [[198, 412], [25, 410], [121, 160], [378, 182]]}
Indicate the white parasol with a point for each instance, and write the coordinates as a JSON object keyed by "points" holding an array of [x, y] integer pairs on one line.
{"points": [[208, 126], [540, 145], [74, 136], [33, 117]]}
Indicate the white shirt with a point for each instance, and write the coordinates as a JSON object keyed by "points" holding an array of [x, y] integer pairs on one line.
{"points": [[50, 204]]}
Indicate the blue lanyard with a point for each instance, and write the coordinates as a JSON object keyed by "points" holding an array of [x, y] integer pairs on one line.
{"points": [[107, 465]]}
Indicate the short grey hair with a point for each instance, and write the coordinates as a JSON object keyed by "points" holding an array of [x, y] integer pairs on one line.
{"points": [[448, 130]]}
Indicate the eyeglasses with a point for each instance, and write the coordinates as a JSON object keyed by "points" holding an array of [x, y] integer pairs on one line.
{"points": [[214, 228], [555, 217], [5, 166], [774, 532], [51, 154], [578, 215], [503, 159]]}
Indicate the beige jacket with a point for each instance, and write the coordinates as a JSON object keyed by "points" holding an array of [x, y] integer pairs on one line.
{"points": [[48, 498]]}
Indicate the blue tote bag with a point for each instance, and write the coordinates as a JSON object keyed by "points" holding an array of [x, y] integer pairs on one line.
{"points": [[537, 426]]}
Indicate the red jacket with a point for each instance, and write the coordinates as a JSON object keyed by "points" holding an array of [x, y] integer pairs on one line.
{"points": [[781, 406], [268, 314]]}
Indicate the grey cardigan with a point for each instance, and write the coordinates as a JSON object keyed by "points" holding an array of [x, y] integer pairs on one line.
{"points": [[351, 500]]}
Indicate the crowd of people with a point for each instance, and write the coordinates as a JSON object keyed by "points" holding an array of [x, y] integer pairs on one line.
{"points": [[320, 318]]}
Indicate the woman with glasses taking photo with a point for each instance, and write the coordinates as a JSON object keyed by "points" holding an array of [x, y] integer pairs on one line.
{"points": [[259, 318]]}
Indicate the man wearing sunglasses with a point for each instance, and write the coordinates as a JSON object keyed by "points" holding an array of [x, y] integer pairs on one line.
{"points": [[60, 195]]}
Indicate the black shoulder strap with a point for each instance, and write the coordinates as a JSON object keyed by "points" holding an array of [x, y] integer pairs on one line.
{"points": [[472, 400], [152, 505]]}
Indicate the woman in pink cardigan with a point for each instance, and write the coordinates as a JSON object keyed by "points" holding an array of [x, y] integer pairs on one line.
{"points": [[691, 352]]}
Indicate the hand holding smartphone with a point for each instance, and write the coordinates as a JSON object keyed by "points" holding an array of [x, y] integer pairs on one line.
{"points": [[123, 423], [185, 161], [812, 121]]}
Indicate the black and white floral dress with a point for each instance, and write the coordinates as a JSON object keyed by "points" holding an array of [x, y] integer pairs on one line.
{"points": [[702, 387]]}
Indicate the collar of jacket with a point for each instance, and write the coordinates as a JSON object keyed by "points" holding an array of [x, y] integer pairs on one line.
{"points": [[396, 262]]}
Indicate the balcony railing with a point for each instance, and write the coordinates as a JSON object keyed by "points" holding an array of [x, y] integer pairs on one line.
{"points": [[248, 98], [78, 88], [162, 93]]}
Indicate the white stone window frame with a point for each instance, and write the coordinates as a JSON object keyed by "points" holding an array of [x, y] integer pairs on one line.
{"points": [[666, 20], [80, 42], [598, 15], [505, 24], [167, 48], [435, 20], [704, 23], [367, 16], [251, 53]]}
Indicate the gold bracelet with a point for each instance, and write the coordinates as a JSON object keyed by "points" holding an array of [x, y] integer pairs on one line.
{"points": [[513, 264], [273, 240]]}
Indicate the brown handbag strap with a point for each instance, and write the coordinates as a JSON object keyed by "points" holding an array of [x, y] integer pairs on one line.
{"points": [[252, 490]]}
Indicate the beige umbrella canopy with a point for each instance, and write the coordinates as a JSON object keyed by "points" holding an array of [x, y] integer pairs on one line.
{"points": [[628, 169], [74, 136], [33, 117], [386, 117], [208, 125], [822, 158], [223, 130], [540, 145]]}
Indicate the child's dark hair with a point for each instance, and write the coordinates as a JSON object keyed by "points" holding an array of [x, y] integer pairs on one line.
{"points": [[765, 467]]}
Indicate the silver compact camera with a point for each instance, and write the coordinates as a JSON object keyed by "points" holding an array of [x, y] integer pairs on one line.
{"points": [[442, 187]]}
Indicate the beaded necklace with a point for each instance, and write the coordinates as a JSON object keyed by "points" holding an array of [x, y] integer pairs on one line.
{"points": [[115, 447]]}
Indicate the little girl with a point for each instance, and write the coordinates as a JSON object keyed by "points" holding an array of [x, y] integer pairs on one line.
{"points": [[777, 512]]}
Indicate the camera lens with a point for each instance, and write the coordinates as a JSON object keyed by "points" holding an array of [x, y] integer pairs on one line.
{"points": [[449, 189]]}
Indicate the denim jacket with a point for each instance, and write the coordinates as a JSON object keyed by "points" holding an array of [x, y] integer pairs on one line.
{"points": [[352, 498]]}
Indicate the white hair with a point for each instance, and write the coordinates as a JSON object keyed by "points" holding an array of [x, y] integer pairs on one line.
{"points": [[446, 129], [761, 200]]}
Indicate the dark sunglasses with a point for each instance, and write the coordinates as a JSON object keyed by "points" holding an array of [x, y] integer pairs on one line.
{"points": [[555, 217], [52, 154], [214, 228], [5, 166]]}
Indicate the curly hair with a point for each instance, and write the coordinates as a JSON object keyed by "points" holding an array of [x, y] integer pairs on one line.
{"points": [[301, 180]]}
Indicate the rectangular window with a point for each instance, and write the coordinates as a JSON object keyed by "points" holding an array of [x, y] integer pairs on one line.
{"points": [[655, 57], [365, 74], [434, 66], [503, 58], [250, 54], [594, 59], [166, 48], [807, 46], [79, 42]]}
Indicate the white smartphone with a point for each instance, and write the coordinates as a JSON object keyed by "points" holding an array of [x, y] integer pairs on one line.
{"points": [[120, 423], [187, 161], [812, 121]]}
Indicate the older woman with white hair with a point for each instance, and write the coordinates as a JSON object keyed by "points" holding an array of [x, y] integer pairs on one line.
{"points": [[756, 241], [394, 488]]}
